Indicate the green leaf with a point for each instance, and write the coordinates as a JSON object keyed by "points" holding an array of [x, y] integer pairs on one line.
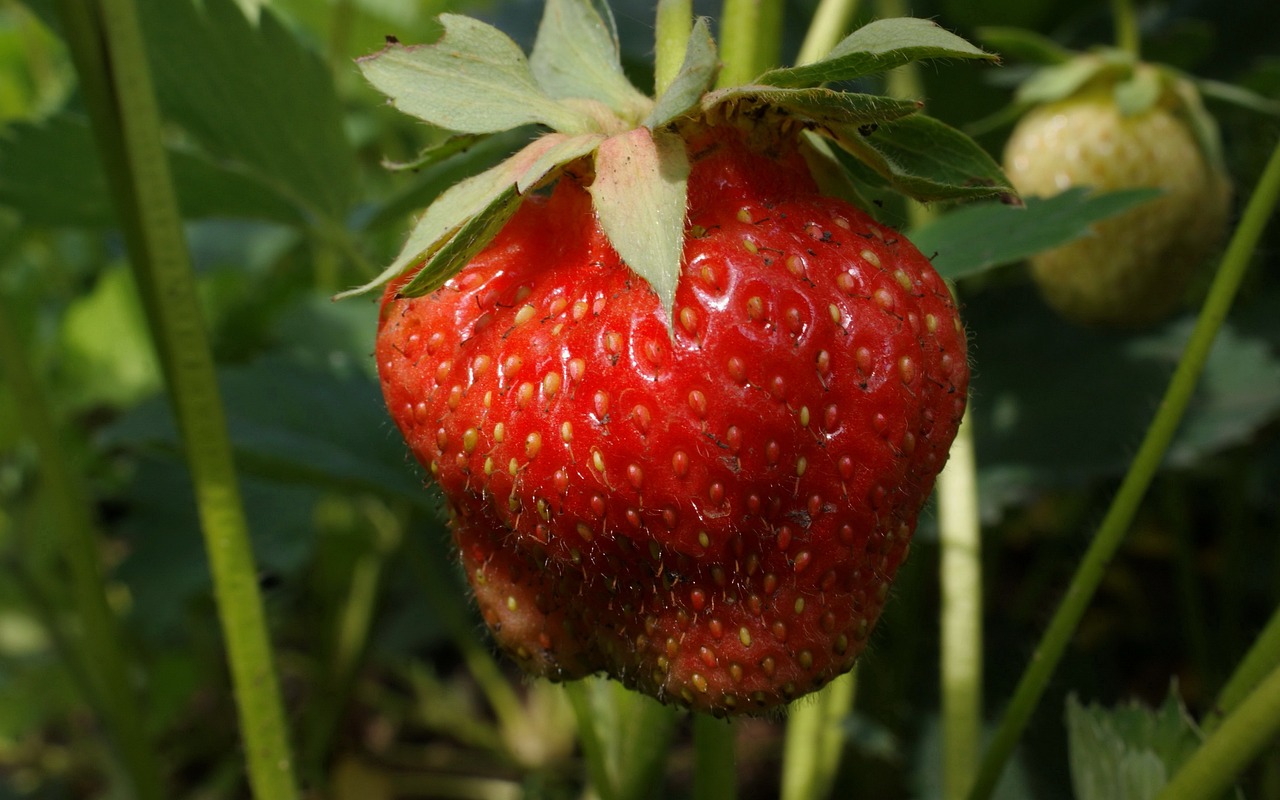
{"points": [[105, 352], [878, 47], [1078, 419], [925, 159], [487, 196], [1129, 751], [1024, 45], [576, 56], [964, 245], [825, 107], [297, 423], [50, 173], [473, 80], [253, 96], [640, 195], [697, 74]]}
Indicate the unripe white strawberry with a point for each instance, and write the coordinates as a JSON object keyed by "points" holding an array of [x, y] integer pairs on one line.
{"points": [[1137, 267]]}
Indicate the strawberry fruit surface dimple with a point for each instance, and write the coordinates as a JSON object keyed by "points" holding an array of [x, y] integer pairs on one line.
{"points": [[709, 510]]}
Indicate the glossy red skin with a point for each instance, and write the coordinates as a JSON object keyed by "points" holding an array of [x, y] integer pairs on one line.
{"points": [[762, 471]]}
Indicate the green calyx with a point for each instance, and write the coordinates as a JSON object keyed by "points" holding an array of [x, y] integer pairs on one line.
{"points": [[475, 81], [1136, 87]]}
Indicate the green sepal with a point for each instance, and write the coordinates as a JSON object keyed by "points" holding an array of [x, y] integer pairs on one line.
{"points": [[816, 106], [877, 47], [1024, 45], [463, 245], [576, 55], [925, 159], [640, 195], [1203, 126], [434, 153], [1139, 92], [475, 79], [1058, 82], [1236, 95], [480, 196], [697, 74]]}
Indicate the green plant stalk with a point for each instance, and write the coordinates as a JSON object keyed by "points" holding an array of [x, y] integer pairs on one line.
{"points": [[1126, 24], [599, 773], [960, 541], [1262, 657], [354, 621], [163, 266], [450, 611], [811, 751], [747, 48], [1241, 737], [672, 27], [1143, 469], [830, 22], [100, 635], [714, 776], [960, 545]]}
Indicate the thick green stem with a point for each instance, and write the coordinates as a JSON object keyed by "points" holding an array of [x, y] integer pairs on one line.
{"points": [[830, 22], [163, 269], [1143, 469], [100, 635], [624, 736], [1240, 738], [750, 39], [811, 753], [671, 38], [1263, 657], [1126, 25], [714, 776], [960, 539]]}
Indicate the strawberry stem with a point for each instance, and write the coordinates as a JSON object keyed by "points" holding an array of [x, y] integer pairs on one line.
{"points": [[1126, 24], [750, 39], [111, 60], [1150, 454], [960, 575], [815, 737], [1213, 768], [1263, 656], [714, 776], [672, 27], [830, 23], [106, 680]]}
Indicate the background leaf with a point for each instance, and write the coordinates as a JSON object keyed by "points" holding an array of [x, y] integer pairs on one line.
{"points": [[50, 174], [1128, 751], [254, 96], [961, 240]]}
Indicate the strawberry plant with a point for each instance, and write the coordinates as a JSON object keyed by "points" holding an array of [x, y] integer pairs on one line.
{"points": [[605, 483]]}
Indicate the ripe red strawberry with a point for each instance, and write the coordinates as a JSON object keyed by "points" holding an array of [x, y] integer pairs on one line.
{"points": [[684, 408], [713, 518]]}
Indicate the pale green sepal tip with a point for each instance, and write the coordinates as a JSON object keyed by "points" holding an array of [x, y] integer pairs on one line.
{"points": [[456, 207], [475, 79], [697, 74], [639, 195], [576, 55]]}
